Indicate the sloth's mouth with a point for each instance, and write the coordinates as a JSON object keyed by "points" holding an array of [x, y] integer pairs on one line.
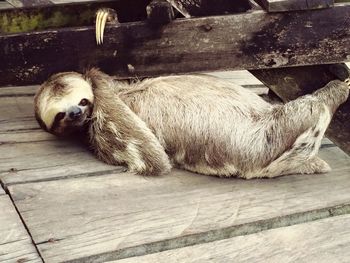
{"points": [[76, 124], [79, 121]]}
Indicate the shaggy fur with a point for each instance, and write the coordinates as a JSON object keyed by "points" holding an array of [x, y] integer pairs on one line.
{"points": [[195, 122]]}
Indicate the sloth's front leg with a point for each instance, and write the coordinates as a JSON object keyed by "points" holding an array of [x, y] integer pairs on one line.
{"points": [[138, 149], [118, 136]]}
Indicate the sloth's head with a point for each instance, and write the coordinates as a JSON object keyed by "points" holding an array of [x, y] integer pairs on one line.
{"points": [[63, 104]]}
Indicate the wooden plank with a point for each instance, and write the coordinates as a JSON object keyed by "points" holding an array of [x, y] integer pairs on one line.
{"points": [[18, 91], [190, 8], [291, 83], [224, 42], [290, 5], [15, 243], [67, 15], [29, 3], [326, 240], [122, 215], [5, 5]]}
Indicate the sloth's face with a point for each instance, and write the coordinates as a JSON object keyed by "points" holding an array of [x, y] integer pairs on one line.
{"points": [[63, 105]]}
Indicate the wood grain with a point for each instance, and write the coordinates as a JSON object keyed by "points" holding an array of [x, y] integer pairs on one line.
{"points": [[122, 215], [5, 5], [15, 243], [190, 8], [290, 5], [72, 14], [29, 3], [318, 241], [221, 42]]}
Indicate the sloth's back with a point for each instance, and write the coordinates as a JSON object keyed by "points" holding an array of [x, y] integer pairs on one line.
{"points": [[203, 122]]}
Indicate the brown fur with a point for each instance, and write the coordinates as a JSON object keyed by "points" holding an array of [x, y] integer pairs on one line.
{"points": [[205, 125]]}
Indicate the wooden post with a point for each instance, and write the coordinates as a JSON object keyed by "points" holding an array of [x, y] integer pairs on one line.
{"points": [[27, 3], [67, 15], [289, 5], [182, 46], [189, 8]]}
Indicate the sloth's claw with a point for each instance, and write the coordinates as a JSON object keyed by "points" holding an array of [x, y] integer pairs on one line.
{"points": [[103, 16]]}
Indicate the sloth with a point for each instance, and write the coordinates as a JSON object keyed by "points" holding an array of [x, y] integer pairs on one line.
{"points": [[198, 123]]}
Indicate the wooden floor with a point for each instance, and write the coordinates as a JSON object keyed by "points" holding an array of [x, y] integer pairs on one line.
{"points": [[59, 204]]}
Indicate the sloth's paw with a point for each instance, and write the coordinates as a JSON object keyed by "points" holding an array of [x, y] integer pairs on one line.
{"points": [[150, 169], [104, 16]]}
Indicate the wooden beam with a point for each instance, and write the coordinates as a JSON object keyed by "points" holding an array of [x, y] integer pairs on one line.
{"points": [[67, 15], [26, 3], [291, 83], [187, 45], [189, 8], [289, 5]]}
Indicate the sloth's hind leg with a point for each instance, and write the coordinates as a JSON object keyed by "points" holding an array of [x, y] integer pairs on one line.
{"points": [[313, 166], [296, 130]]}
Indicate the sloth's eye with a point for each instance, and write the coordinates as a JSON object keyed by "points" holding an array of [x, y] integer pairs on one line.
{"points": [[83, 102], [60, 116]]}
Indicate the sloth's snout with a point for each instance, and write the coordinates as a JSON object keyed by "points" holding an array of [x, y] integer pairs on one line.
{"points": [[74, 112]]}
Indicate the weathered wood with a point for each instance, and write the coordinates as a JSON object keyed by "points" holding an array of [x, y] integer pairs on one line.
{"points": [[222, 42], [15, 243], [160, 12], [5, 5], [2, 192], [19, 91], [318, 241], [289, 5], [190, 8], [29, 3], [291, 83], [67, 15], [121, 215]]}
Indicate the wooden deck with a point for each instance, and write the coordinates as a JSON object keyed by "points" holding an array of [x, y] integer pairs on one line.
{"points": [[60, 204]]}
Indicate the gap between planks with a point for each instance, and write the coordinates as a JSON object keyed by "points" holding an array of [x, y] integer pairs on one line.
{"points": [[16, 244], [321, 241]]}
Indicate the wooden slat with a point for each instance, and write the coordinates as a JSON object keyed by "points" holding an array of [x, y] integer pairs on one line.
{"points": [[5, 5], [290, 5], [67, 15], [18, 91], [121, 215], [190, 8], [15, 243], [222, 42], [29, 3], [291, 83], [326, 240]]}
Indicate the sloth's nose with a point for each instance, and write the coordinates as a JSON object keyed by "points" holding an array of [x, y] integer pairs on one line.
{"points": [[74, 112]]}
